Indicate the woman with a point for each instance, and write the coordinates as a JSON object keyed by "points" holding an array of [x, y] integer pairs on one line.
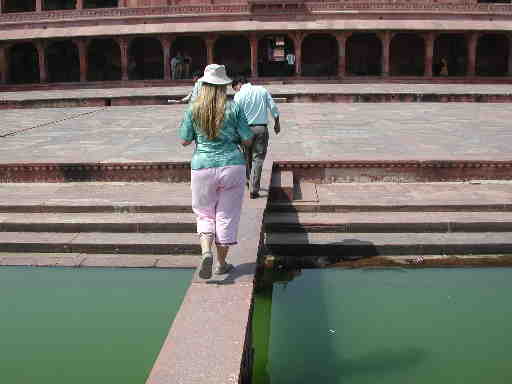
{"points": [[217, 126]]}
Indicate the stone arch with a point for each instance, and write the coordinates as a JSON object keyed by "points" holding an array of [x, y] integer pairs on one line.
{"points": [[319, 55], [145, 59], [364, 54], [234, 51], [195, 47], [101, 3], [63, 62], [272, 51], [53, 5], [492, 55], [18, 6], [407, 55], [451, 47], [23, 64], [104, 60]]}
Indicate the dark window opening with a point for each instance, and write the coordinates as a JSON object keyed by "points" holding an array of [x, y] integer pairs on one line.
{"points": [[54, 5], [19, 6], [100, 3]]}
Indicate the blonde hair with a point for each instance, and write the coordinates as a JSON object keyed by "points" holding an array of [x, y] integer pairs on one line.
{"points": [[208, 109]]}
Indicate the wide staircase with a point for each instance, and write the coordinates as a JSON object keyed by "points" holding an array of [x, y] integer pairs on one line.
{"points": [[97, 224], [372, 224]]}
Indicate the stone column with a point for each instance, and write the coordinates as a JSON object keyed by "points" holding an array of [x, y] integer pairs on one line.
{"points": [[166, 46], [386, 42], [342, 53], [429, 53], [79, 4], [210, 44], [4, 64], [41, 52], [39, 5], [253, 39], [472, 39], [124, 43], [82, 54], [298, 38]]}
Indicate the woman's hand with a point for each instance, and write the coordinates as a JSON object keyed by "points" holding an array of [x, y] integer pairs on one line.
{"points": [[185, 143]]}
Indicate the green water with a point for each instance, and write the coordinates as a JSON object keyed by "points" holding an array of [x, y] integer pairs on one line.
{"points": [[398, 326], [83, 326]]}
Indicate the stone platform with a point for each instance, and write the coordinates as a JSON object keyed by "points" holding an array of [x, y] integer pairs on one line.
{"points": [[283, 92]]}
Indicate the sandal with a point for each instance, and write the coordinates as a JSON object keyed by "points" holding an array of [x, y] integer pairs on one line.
{"points": [[205, 268], [223, 269]]}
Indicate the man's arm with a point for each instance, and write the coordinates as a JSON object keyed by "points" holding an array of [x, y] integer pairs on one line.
{"points": [[275, 113]]}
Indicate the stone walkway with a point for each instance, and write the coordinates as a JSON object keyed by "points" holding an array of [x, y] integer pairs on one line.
{"points": [[319, 131], [275, 88]]}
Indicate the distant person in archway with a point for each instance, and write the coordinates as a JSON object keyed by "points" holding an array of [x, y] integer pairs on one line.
{"points": [[218, 127], [256, 102], [177, 66]]}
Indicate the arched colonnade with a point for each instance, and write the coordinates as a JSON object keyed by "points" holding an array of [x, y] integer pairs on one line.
{"points": [[281, 54]]}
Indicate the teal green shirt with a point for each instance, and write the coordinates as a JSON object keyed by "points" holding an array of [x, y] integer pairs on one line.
{"points": [[223, 150]]}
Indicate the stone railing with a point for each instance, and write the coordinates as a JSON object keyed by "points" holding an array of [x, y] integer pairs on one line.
{"points": [[190, 7]]}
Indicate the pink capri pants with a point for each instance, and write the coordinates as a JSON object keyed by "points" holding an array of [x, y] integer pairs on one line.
{"points": [[217, 195]]}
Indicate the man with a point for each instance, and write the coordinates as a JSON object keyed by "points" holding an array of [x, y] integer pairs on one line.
{"points": [[176, 66], [256, 102], [192, 95]]}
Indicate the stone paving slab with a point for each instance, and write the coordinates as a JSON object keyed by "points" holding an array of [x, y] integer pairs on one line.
{"points": [[98, 222], [98, 260], [321, 131], [415, 194], [273, 87], [108, 196], [210, 320], [389, 222], [371, 244]]}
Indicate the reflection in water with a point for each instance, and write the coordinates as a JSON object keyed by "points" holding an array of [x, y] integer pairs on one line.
{"points": [[358, 326]]}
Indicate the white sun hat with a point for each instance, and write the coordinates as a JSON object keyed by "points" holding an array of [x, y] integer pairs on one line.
{"points": [[215, 74]]}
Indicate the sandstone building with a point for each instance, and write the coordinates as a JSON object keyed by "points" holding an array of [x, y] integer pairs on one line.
{"points": [[95, 42]]}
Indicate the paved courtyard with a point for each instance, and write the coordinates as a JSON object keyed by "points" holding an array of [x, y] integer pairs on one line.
{"points": [[310, 131]]}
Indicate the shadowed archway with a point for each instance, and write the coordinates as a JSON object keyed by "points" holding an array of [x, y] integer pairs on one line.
{"points": [[193, 50], [104, 60], [407, 55], [146, 59], [53, 5], [272, 56], [234, 52], [19, 6], [364, 54], [63, 62], [319, 55], [23, 64], [492, 55]]}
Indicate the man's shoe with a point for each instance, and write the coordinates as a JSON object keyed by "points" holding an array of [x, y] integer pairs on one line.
{"points": [[205, 268], [255, 195], [223, 269]]}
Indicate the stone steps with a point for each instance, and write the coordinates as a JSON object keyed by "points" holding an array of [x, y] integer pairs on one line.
{"points": [[98, 222], [100, 242], [361, 220], [390, 222], [358, 245]]}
